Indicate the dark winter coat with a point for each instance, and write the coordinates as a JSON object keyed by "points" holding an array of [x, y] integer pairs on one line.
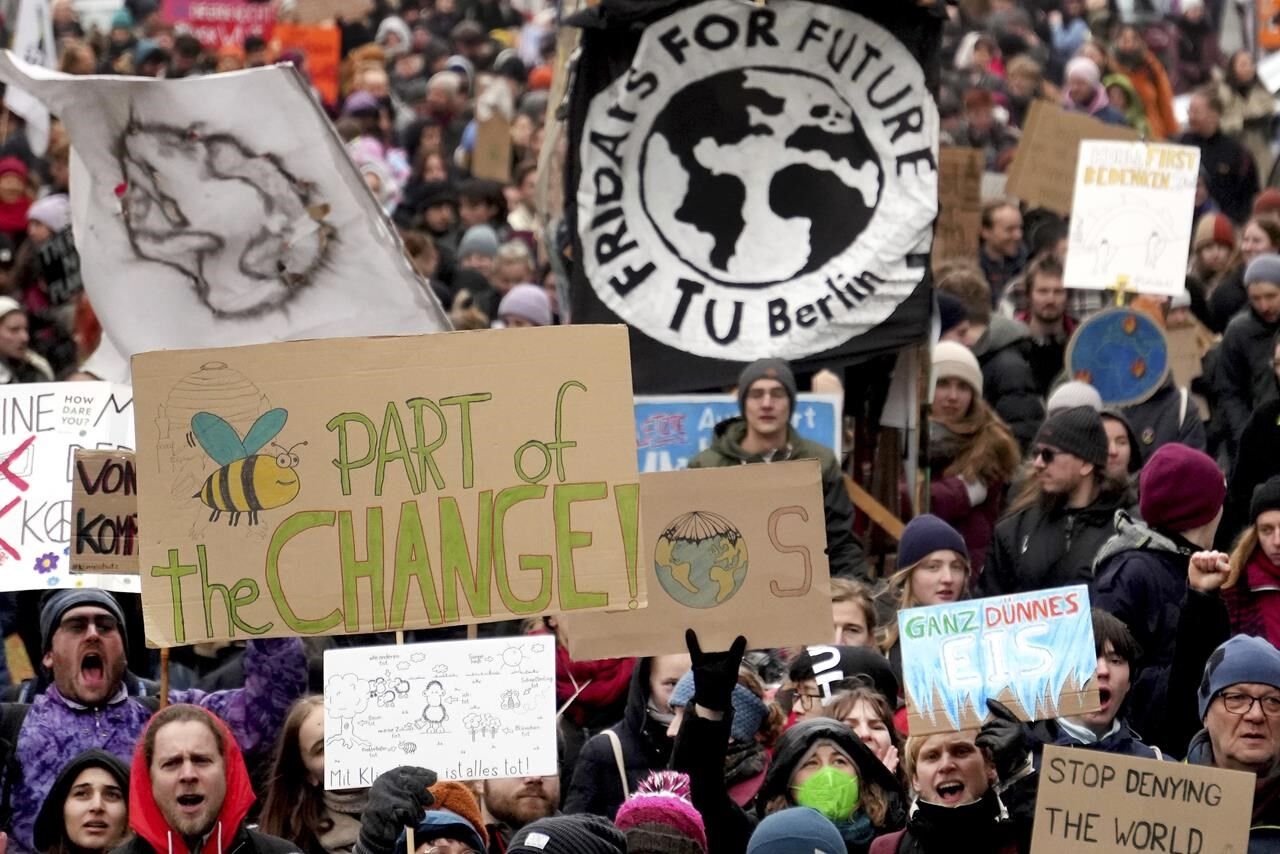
{"points": [[843, 552], [992, 825], [246, 841], [1232, 176], [597, 786], [1038, 548], [1228, 299], [1245, 377], [1256, 462], [1167, 416], [1172, 716], [1123, 742], [1141, 578], [1007, 381]]}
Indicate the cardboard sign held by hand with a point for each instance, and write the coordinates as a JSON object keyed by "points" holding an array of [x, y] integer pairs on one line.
{"points": [[104, 510], [1034, 652]]}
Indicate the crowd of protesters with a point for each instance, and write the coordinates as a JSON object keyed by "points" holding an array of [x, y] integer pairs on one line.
{"points": [[1168, 509]]}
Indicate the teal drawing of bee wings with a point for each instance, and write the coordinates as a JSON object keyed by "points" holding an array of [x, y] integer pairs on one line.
{"points": [[224, 446]]}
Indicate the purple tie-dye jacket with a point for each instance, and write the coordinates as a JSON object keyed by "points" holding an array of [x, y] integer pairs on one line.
{"points": [[55, 731]]}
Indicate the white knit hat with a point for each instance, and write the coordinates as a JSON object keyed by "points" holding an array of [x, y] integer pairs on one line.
{"points": [[1069, 395], [951, 359]]}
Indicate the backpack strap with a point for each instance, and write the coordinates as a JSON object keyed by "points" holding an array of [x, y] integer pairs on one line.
{"points": [[1182, 408], [11, 717], [617, 757]]}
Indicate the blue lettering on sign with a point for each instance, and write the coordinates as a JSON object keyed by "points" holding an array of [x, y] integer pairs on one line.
{"points": [[672, 429]]}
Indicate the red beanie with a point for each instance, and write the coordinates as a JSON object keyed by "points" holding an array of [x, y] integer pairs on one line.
{"points": [[1268, 201], [1180, 488]]}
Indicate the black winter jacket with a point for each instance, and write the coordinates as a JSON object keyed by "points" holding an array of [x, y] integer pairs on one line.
{"points": [[1142, 580], [597, 786], [1008, 383], [1036, 548], [246, 841], [1245, 376], [1165, 417], [1256, 462]]}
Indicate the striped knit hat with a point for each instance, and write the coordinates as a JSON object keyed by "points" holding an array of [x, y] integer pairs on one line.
{"points": [[660, 819]]}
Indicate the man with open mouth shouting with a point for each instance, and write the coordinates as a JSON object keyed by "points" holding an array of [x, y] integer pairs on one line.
{"points": [[93, 702], [189, 790]]}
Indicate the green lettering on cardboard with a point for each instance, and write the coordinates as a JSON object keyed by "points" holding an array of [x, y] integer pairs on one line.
{"points": [[424, 452], [232, 597], [288, 529], [505, 500], [456, 567], [626, 498], [344, 463], [563, 497], [175, 572], [246, 592], [560, 444], [412, 561], [354, 569], [463, 402], [390, 421]]}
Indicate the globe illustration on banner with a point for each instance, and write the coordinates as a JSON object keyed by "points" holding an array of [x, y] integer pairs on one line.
{"points": [[1122, 353], [742, 169], [701, 559]]}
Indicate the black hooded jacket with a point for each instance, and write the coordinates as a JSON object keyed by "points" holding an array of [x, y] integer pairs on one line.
{"points": [[50, 825], [597, 784]]}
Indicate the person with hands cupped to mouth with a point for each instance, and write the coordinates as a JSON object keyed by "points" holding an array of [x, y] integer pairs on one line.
{"points": [[820, 764]]}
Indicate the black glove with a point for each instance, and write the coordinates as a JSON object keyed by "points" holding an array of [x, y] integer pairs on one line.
{"points": [[397, 798], [1006, 739], [715, 674]]}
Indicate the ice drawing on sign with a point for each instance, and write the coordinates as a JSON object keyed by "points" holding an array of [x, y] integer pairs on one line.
{"points": [[701, 559], [479, 709], [246, 481], [177, 184]]}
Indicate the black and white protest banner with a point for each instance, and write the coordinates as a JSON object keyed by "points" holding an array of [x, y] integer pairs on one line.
{"points": [[755, 180], [224, 210]]}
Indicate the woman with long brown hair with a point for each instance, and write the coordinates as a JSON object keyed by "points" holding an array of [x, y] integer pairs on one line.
{"points": [[298, 807], [972, 454]]}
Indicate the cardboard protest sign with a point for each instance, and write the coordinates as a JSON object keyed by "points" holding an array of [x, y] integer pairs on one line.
{"points": [[356, 485], [725, 551], [104, 505], [672, 429], [322, 47], [1043, 171], [229, 208], [960, 175], [1031, 651], [473, 710], [318, 11], [492, 155], [42, 425], [1131, 216], [59, 264], [1121, 352], [1093, 801], [221, 22]]}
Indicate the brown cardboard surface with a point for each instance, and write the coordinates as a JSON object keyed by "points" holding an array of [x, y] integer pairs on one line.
{"points": [[319, 11], [104, 512], [764, 528], [1090, 801], [1043, 172], [959, 203], [492, 155], [445, 479]]}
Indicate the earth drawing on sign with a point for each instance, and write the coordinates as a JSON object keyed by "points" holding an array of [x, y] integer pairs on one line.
{"points": [[1122, 352], [701, 559]]}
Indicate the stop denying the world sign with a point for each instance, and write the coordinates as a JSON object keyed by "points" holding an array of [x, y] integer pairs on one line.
{"points": [[356, 485]]}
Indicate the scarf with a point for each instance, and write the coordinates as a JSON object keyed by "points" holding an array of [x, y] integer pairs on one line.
{"points": [[343, 810], [857, 832], [743, 761], [983, 823]]}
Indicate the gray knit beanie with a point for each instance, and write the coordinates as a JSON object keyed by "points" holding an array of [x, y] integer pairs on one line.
{"points": [[1264, 268], [767, 369]]}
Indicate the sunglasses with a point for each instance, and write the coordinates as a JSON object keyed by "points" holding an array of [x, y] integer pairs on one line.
{"points": [[1046, 454]]}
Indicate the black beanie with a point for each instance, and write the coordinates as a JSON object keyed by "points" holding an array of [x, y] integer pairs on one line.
{"points": [[61, 601], [1266, 496], [767, 369], [1076, 431], [569, 834]]}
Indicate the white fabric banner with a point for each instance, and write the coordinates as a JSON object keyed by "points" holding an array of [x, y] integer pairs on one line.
{"points": [[33, 41], [222, 211]]}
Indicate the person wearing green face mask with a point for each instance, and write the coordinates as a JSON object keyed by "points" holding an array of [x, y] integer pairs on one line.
{"points": [[822, 764]]}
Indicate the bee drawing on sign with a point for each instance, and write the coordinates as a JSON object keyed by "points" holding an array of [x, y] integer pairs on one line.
{"points": [[435, 713], [247, 481]]}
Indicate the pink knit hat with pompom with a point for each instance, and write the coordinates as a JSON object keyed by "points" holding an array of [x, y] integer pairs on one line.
{"points": [[660, 817]]}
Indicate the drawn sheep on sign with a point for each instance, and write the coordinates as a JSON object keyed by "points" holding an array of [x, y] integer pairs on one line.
{"points": [[435, 714]]}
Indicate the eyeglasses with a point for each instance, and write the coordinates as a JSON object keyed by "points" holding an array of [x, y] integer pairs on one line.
{"points": [[104, 623], [1046, 454], [1242, 704]]}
